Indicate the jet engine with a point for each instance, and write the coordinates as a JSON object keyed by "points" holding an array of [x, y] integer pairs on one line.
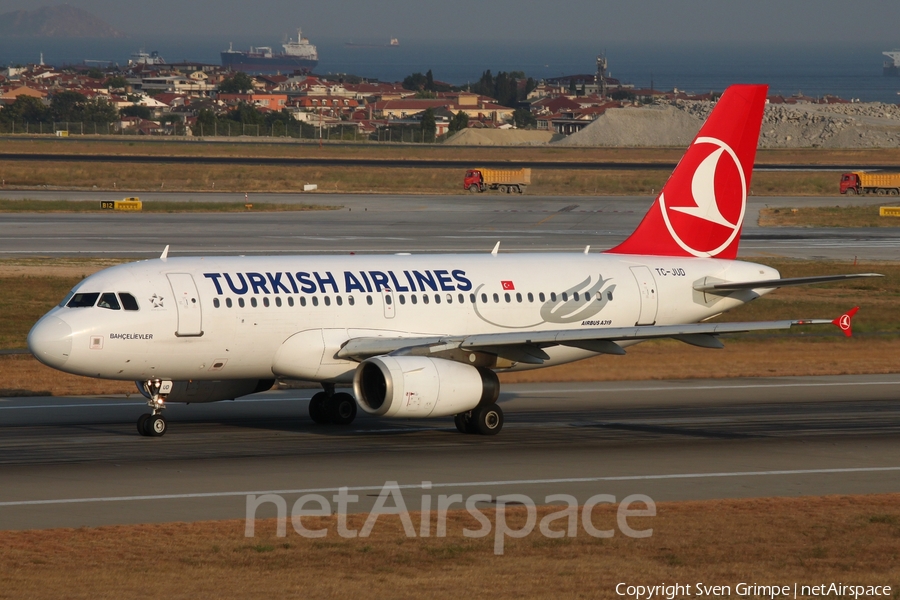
{"points": [[211, 391], [420, 386]]}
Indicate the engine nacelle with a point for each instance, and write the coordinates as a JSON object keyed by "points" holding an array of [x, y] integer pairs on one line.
{"points": [[419, 386], [211, 391]]}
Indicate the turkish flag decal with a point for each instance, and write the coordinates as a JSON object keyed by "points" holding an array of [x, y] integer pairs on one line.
{"points": [[507, 285]]}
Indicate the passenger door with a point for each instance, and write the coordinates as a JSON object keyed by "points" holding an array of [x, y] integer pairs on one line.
{"points": [[184, 290]]}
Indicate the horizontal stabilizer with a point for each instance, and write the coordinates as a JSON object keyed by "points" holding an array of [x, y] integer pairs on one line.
{"points": [[777, 283]]}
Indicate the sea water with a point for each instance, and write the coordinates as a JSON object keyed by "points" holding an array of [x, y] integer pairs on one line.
{"points": [[851, 70]]}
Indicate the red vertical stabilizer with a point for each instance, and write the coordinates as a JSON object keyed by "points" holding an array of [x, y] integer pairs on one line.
{"points": [[700, 210]]}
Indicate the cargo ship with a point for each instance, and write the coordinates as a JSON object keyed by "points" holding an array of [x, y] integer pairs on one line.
{"points": [[298, 55], [892, 65]]}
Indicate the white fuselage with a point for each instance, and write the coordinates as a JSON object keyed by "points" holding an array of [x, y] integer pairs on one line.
{"points": [[227, 317]]}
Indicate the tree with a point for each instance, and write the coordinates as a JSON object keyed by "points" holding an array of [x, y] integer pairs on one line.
{"points": [[429, 81], [98, 111], [523, 118], [429, 126], [25, 109], [116, 82], [415, 82], [239, 83], [67, 106], [459, 122], [136, 110], [206, 123]]}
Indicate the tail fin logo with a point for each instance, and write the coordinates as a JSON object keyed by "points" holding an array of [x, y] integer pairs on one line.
{"points": [[718, 196]]}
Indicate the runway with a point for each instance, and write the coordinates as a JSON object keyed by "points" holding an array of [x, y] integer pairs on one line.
{"points": [[392, 223], [70, 462]]}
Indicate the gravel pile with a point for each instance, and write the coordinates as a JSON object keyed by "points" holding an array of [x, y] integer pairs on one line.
{"points": [[870, 125], [501, 137]]}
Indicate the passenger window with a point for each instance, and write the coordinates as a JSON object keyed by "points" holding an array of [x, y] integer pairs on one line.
{"points": [[472, 298], [228, 302], [350, 300], [518, 297], [128, 301], [216, 302], [542, 297], [278, 301], [424, 298], [496, 299], [414, 299], [402, 299], [266, 301], [437, 298], [552, 296], [506, 297], [302, 300], [109, 300], [530, 297], [461, 298], [565, 296], [575, 295], [290, 300], [82, 300], [315, 300], [339, 300], [241, 302], [253, 301], [369, 300], [327, 300], [484, 298], [388, 300]]}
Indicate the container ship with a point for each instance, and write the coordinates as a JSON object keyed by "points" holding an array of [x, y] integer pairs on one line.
{"points": [[298, 55]]}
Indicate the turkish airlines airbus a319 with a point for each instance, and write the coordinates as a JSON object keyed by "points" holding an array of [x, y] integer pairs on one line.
{"points": [[424, 336]]}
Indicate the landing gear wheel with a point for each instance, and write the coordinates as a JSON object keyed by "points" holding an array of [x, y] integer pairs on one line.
{"points": [[318, 406], [156, 426], [463, 423], [487, 419], [341, 409], [142, 424]]}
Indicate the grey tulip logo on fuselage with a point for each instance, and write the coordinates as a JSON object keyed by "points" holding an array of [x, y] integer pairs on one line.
{"points": [[591, 300]]}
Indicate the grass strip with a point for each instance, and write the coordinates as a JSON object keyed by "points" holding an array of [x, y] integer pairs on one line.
{"points": [[829, 216], [153, 206], [770, 541]]}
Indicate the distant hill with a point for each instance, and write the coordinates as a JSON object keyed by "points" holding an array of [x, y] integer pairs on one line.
{"points": [[63, 21]]}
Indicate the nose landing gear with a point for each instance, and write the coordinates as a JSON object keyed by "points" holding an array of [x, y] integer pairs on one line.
{"points": [[154, 424]]}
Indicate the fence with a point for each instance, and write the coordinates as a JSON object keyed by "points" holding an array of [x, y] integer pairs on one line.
{"points": [[350, 132]]}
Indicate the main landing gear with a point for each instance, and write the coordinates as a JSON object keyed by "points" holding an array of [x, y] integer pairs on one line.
{"points": [[486, 419], [328, 407], [154, 424]]}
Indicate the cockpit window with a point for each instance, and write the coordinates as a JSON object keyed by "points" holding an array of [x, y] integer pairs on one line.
{"points": [[83, 300], [109, 300], [128, 301]]}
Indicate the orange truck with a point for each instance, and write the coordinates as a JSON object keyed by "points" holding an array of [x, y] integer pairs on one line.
{"points": [[860, 182], [506, 181]]}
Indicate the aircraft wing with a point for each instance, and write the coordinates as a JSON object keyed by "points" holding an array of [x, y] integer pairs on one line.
{"points": [[527, 346], [726, 287]]}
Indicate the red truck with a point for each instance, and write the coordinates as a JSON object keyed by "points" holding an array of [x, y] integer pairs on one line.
{"points": [[860, 182]]}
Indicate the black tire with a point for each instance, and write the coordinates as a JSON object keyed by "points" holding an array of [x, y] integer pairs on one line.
{"points": [[881, 192], [157, 426], [487, 419], [851, 191], [502, 189], [341, 409], [894, 192], [474, 188], [142, 424], [462, 422], [318, 408]]}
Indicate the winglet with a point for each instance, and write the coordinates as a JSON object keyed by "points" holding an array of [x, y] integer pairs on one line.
{"points": [[496, 249], [844, 320], [165, 253]]}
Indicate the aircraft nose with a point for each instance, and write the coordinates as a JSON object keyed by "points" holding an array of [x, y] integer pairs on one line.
{"points": [[50, 341]]}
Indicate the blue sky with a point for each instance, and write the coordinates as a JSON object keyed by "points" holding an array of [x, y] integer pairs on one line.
{"points": [[776, 21]]}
